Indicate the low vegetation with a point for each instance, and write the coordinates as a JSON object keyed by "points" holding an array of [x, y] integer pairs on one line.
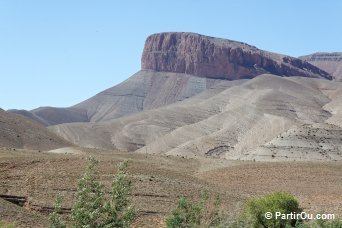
{"points": [[93, 208], [56, 220], [282, 202], [204, 213], [195, 214]]}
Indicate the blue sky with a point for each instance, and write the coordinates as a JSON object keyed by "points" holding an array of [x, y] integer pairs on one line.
{"points": [[58, 53]]}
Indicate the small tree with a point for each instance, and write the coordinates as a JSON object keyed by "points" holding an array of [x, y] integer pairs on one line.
{"points": [[91, 210], [55, 219], [88, 210], [120, 211], [282, 202]]}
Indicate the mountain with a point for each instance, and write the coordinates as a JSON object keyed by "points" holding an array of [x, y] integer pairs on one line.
{"points": [[265, 118], [177, 66], [19, 132], [211, 57], [51, 116], [329, 62], [143, 91]]}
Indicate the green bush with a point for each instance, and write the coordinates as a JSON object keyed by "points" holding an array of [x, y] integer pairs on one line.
{"points": [[88, 210], [195, 214], [120, 211], [92, 207], [55, 219], [282, 202]]}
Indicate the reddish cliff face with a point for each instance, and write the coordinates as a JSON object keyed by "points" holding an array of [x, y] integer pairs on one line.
{"points": [[218, 58]]}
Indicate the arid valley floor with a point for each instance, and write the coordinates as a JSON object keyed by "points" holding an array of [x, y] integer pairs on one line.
{"points": [[159, 182]]}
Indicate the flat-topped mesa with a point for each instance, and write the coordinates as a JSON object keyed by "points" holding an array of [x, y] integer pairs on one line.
{"points": [[323, 56], [210, 57]]}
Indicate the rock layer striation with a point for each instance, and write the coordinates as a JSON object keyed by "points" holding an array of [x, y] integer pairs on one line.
{"points": [[211, 57], [330, 62]]}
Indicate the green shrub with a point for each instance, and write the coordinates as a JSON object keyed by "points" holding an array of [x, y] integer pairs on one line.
{"points": [[55, 219], [92, 207], [282, 202], [195, 214], [120, 211], [88, 210]]}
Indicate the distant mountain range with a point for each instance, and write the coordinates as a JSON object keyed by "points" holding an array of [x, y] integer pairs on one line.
{"points": [[202, 96]]}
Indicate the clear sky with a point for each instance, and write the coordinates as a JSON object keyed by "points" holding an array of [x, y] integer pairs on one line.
{"points": [[58, 53]]}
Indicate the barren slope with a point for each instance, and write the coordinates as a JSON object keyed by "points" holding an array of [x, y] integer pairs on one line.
{"points": [[162, 120], [19, 132], [143, 91], [329, 62], [229, 123]]}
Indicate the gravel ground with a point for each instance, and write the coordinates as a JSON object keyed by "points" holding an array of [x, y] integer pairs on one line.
{"points": [[160, 180]]}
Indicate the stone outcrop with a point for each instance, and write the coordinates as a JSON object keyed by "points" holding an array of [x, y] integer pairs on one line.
{"points": [[330, 62], [323, 56], [210, 57]]}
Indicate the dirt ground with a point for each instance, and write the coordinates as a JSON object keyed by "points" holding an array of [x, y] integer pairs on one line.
{"points": [[159, 181]]}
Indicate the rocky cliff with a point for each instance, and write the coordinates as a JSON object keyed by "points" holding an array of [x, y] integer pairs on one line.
{"points": [[210, 57], [330, 62]]}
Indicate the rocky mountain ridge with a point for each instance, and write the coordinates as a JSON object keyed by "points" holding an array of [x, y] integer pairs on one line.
{"points": [[329, 62], [205, 56]]}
